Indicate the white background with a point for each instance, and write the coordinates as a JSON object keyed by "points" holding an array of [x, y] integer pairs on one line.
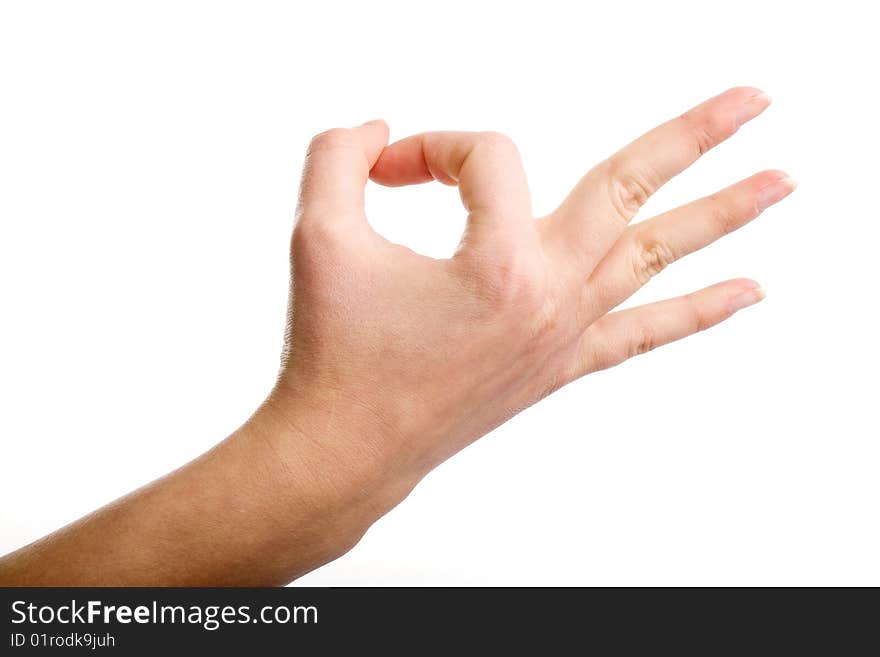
{"points": [[149, 157]]}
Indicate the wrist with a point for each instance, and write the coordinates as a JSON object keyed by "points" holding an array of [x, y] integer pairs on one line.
{"points": [[333, 473]]}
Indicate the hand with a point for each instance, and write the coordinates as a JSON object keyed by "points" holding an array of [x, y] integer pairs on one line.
{"points": [[395, 361]]}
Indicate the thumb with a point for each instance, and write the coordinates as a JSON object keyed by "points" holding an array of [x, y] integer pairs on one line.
{"points": [[336, 170]]}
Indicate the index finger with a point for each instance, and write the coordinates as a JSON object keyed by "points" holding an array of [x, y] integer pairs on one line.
{"points": [[485, 166]]}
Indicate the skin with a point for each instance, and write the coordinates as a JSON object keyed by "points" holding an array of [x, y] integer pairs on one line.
{"points": [[393, 361]]}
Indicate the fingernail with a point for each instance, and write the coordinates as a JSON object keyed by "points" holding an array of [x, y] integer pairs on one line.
{"points": [[752, 106], [747, 298], [373, 122], [775, 192]]}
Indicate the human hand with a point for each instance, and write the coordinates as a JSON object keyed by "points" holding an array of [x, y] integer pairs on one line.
{"points": [[395, 361]]}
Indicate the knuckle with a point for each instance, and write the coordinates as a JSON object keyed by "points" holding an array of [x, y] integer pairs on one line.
{"points": [[510, 285], [725, 216], [497, 141], [707, 129], [697, 319], [331, 139], [628, 191], [509, 282], [644, 340], [312, 235], [300, 240], [652, 256]]}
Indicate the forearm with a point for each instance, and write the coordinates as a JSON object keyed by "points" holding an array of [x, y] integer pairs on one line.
{"points": [[261, 508]]}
